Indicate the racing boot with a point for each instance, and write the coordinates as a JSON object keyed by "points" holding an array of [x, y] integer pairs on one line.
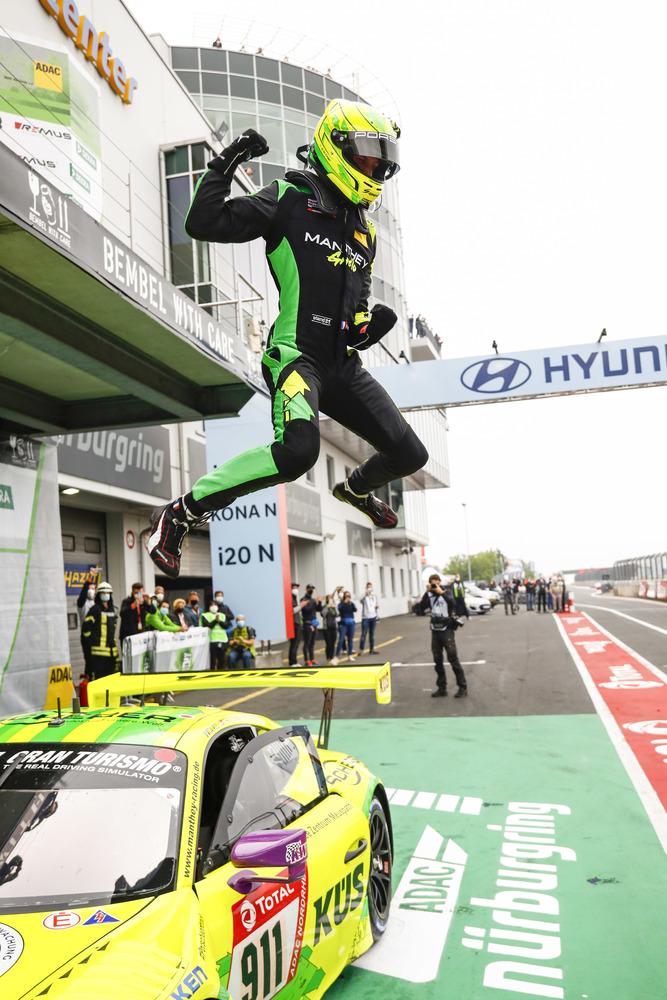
{"points": [[379, 512], [169, 526]]}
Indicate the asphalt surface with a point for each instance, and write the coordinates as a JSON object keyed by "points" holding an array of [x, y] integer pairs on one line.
{"points": [[515, 666]]}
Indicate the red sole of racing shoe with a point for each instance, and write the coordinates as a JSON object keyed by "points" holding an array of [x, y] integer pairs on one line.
{"points": [[165, 562], [387, 519]]}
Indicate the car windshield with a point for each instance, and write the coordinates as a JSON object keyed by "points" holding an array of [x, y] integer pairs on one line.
{"points": [[86, 824]]}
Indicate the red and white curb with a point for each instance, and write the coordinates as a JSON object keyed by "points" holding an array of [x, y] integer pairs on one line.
{"points": [[630, 697]]}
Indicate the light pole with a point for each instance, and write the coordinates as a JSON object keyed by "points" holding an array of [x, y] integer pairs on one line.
{"points": [[465, 521]]}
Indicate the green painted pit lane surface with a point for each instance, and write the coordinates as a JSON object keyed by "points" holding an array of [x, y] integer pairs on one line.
{"points": [[609, 902]]}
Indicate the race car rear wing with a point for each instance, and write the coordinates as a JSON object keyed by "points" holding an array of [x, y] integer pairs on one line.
{"points": [[108, 691]]}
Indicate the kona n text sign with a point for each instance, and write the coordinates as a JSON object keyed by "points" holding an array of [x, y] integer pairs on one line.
{"points": [[556, 371]]}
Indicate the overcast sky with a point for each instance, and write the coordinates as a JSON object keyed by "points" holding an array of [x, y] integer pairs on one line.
{"points": [[534, 161]]}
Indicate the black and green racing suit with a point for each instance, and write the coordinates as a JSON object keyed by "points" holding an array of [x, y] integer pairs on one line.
{"points": [[320, 250]]}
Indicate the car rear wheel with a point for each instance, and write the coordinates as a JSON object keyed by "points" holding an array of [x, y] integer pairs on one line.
{"points": [[379, 879]]}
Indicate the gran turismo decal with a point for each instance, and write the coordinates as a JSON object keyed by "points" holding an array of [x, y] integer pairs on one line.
{"points": [[496, 376], [11, 946]]}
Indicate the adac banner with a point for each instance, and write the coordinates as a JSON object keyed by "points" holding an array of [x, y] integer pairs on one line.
{"points": [[554, 371]]}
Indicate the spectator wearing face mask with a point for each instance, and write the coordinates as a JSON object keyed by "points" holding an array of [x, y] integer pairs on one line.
{"points": [[86, 598], [369, 618], [133, 613], [223, 607], [158, 620], [310, 605], [215, 620], [192, 610], [347, 610], [84, 603], [178, 613], [242, 645], [293, 652], [98, 634], [329, 626]]}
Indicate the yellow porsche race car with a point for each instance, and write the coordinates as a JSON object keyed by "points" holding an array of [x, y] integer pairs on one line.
{"points": [[151, 852]]}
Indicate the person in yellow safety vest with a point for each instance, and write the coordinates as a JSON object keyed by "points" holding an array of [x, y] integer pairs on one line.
{"points": [[158, 619], [98, 634], [216, 621], [242, 644]]}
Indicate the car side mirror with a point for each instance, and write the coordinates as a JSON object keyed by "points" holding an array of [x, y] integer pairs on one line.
{"points": [[268, 849]]}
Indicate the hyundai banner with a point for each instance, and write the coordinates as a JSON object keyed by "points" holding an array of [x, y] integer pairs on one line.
{"points": [[616, 364]]}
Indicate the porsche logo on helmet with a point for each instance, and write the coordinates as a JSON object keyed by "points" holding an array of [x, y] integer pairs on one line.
{"points": [[496, 376]]}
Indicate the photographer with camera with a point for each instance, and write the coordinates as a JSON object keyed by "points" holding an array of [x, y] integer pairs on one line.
{"points": [[444, 624]]}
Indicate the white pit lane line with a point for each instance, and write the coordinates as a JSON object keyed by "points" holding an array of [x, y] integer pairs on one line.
{"points": [[622, 614]]}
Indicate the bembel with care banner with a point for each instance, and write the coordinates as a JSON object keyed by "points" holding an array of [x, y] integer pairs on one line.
{"points": [[166, 652]]}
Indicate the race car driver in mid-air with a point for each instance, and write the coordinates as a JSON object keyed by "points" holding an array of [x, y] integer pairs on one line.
{"points": [[320, 247]]}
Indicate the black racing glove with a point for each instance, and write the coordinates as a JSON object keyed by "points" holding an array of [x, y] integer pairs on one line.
{"points": [[246, 147], [381, 322]]}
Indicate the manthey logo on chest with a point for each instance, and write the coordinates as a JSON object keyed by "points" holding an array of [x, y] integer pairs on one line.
{"points": [[338, 255], [496, 376], [94, 44]]}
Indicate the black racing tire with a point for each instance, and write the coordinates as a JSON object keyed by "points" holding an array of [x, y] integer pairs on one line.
{"points": [[379, 878]]}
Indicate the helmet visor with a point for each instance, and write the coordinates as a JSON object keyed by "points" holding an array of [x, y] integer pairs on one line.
{"points": [[376, 155]]}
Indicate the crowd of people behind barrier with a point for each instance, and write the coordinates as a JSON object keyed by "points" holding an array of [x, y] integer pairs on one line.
{"points": [[337, 621], [232, 639], [542, 594]]}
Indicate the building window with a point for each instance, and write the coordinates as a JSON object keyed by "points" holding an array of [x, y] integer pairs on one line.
{"points": [[402, 572], [184, 58], [314, 82], [190, 261], [92, 545], [189, 80], [214, 83], [68, 543], [268, 92], [310, 476], [392, 573], [333, 89], [242, 86], [241, 62], [215, 59], [268, 68], [355, 581], [382, 593], [315, 105], [292, 98], [331, 472], [291, 74]]}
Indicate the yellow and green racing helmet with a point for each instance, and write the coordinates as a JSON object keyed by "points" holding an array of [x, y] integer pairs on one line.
{"points": [[356, 148]]}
